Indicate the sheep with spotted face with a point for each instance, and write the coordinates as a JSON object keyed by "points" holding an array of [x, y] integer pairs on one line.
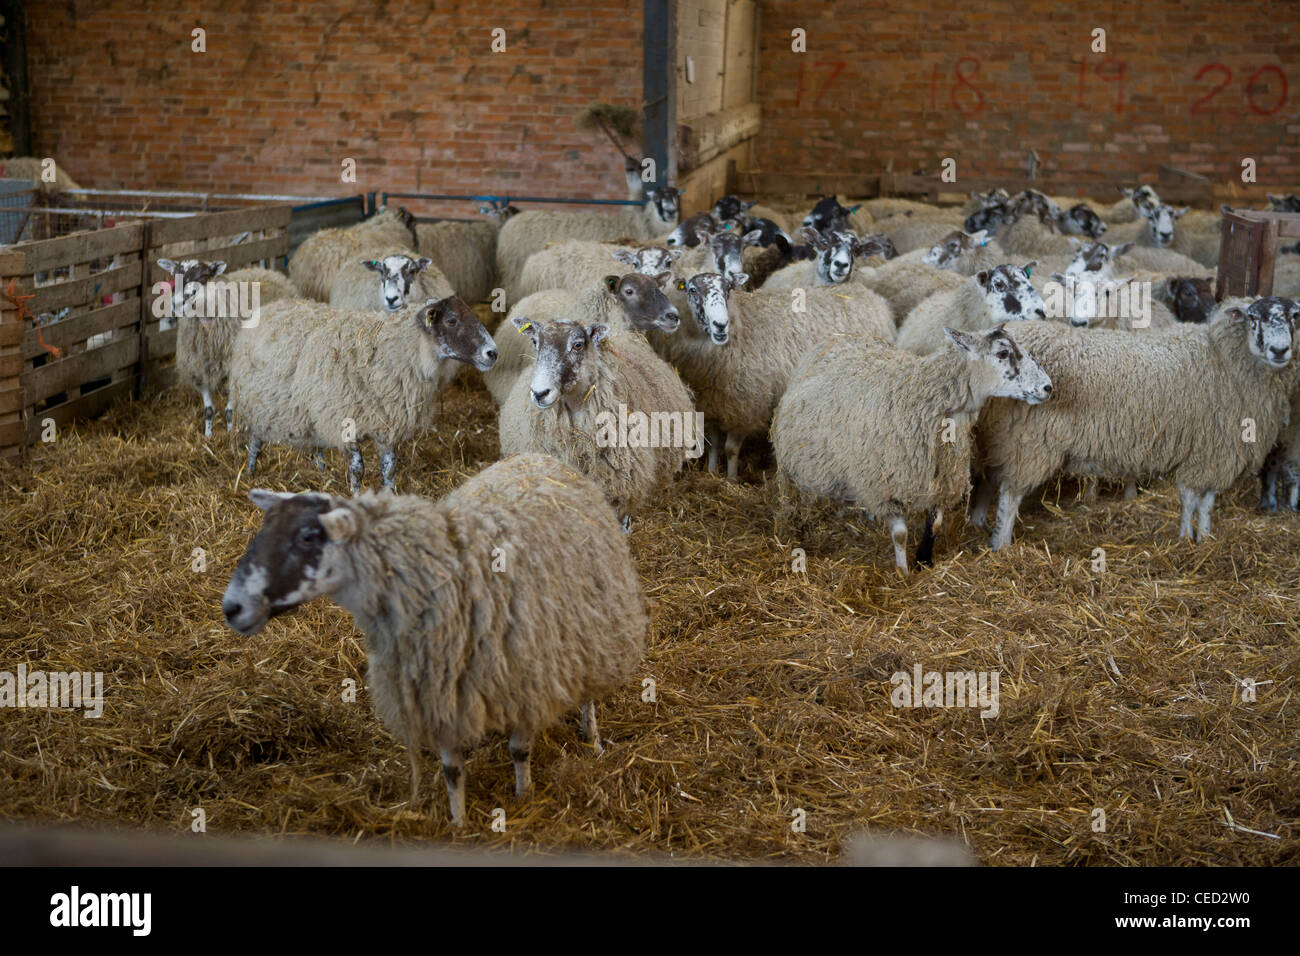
{"points": [[1081, 220], [889, 432], [983, 301], [586, 384], [387, 282], [908, 280], [533, 230], [1157, 231], [318, 377], [692, 231], [736, 349], [322, 254], [578, 263], [1279, 478], [833, 265], [1128, 209], [1090, 300], [455, 647], [206, 329], [828, 215], [629, 303], [1168, 403]]}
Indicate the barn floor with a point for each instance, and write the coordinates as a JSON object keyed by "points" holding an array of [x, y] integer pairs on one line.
{"points": [[1119, 689]]}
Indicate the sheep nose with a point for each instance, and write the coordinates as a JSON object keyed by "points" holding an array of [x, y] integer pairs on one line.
{"points": [[1048, 388], [542, 397], [1280, 352], [490, 355], [231, 609]]}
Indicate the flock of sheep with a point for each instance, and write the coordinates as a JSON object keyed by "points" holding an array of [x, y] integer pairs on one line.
{"points": [[891, 352]]}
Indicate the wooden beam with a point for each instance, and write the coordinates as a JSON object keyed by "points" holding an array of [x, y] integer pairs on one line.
{"points": [[67, 373], [80, 327], [659, 88], [714, 134], [27, 258], [213, 224], [84, 406]]}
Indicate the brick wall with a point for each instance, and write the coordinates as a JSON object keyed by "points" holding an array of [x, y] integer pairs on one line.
{"points": [[286, 90], [984, 82]]}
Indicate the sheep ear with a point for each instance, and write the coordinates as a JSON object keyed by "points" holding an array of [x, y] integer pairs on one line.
{"points": [[1272, 197], [264, 498], [675, 254], [1059, 278], [738, 280], [1234, 315], [1117, 251], [169, 266], [1295, 316], [216, 267], [1127, 193], [1180, 213], [625, 255], [611, 283], [809, 234], [983, 278], [525, 325], [663, 278], [753, 237], [960, 339], [598, 332], [339, 524], [423, 263], [748, 205], [371, 264], [980, 237], [1029, 265]]}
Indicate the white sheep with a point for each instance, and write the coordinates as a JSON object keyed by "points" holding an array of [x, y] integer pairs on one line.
{"points": [[464, 252], [1280, 476], [982, 301], [326, 251], [836, 253], [210, 314], [736, 349], [605, 404], [530, 231], [633, 302], [387, 281], [313, 376], [576, 263], [458, 644], [888, 432], [1202, 404]]}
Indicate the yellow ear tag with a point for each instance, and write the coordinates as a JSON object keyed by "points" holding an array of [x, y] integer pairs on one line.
{"points": [[525, 327]]}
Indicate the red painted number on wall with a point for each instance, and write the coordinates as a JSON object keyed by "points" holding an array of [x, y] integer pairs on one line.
{"points": [[963, 95], [1108, 70], [1254, 89], [836, 67]]}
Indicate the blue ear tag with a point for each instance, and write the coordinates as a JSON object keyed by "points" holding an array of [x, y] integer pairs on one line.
{"points": [[1026, 272]]}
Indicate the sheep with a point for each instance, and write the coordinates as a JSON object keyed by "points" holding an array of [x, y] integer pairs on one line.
{"points": [[208, 324], [387, 281], [986, 212], [829, 216], [964, 253], [982, 301], [749, 212], [692, 231], [314, 376], [464, 252], [888, 207], [1125, 406], [633, 302], [1189, 299], [455, 649], [1080, 220], [526, 233], [1094, 301], [836, 252], [588, 391], [326, 251], [1156, 230], [577, 263], [1128, 209], [915, 232], [1286, 276], [1034, 237], [1281, 470], [737, 349], [773, 259], [889, 432]]}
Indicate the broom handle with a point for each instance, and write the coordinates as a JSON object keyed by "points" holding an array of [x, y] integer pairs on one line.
{"points": [[617, 145]]}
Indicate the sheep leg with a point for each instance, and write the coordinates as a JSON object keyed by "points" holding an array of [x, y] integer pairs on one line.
{"points": [[318, 459], [387, 464], [590, 732], [209, 412], [1292, 485], [1090, 489], [415, 735], [1203, 515], [230, 414], [980, 501], [626, 521], [925, 550], [1130, 490], [714, 438], [898, 532], [355, 468], [521, 752], [733, 455], [453, 772], [1188, 498], [1005, 523], [254, 448], [1268, 487]]}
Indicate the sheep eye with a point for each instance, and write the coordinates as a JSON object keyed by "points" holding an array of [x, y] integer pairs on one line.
{"points": [[451, 323], [309, 535], [578, 345], [1003, 354]]}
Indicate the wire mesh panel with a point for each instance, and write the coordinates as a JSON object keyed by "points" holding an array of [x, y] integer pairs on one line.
{"points": [[16, 199]]}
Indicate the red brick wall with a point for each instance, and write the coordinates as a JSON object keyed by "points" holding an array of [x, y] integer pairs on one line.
{"points": [[878, 83], [286, 90]]}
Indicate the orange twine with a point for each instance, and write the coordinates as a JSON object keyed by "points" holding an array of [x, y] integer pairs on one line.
{"points": [[19, 302]]}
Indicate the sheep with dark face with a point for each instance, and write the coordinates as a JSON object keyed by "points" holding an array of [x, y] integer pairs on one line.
{"points": [[1190, 299], [692, 231], [1080, 220], [457, 648], [1284, 203], [578, 263], [630, 303], [833, 265], [829, 216]]}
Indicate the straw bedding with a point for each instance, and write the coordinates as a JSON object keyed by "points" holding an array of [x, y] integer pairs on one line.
{"points": [[1119, 689]]}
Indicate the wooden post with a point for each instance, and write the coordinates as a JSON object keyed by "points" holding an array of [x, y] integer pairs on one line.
{"points": [[13, 433]]}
